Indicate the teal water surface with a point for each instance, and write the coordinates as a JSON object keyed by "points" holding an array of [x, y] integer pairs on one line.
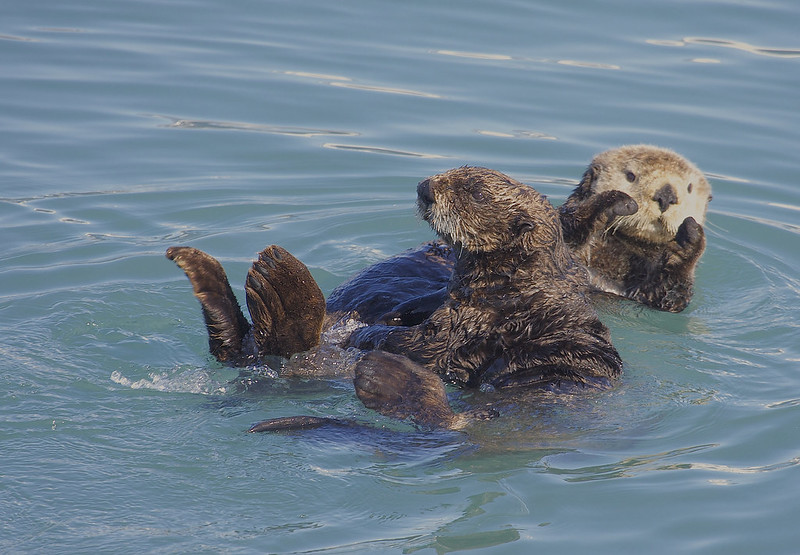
{"points": [[132, 126]]}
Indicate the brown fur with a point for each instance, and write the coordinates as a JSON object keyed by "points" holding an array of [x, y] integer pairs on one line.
{"points": [[227, 327], [286, 304]]}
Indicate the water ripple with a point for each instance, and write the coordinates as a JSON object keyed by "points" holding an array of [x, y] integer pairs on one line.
{"points": [[516, 134], [15, 38], [348, 83], [624, 468], [730, 469], [725, 43], [381, 150], [507, 58], [257, 127], [589, 65], [376, 88], [473, 55]]}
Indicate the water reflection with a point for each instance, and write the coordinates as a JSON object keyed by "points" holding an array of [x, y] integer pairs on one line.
{"points": [[348, 83], [257, 127], [725, 43], [473, 55], [376, 88], [381, 150], [516, 134]]}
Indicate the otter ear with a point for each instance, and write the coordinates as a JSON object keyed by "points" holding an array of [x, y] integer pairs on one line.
{"points": [[533, 231], [584, 188]]}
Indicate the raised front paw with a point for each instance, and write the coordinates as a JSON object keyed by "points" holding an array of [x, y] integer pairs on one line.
{"points": [[689, 233], [616, 203], [582, 219], [395, 386], [285, 303]]}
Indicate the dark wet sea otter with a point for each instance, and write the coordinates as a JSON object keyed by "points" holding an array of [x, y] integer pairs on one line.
{"points": [[515, 316]]}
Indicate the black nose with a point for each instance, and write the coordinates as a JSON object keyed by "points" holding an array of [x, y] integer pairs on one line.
{"points": [[424, 192], [665, 197]]}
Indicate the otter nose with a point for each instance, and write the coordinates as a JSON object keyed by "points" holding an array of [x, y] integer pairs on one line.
{"points": [[665, 197], [424, 192]]}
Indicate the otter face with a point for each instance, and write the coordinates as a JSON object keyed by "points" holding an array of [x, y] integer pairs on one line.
{"points": [[667, 187], [482, 210]]}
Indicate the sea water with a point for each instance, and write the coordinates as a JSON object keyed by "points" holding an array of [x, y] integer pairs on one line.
{"points": [[131, 126]]}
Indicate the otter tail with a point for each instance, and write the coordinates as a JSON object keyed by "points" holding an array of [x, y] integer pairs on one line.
{"points": [[227, 326]]}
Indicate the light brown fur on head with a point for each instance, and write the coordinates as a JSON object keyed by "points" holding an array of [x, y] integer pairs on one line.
{"points": [[666, 186], [482, 210]]}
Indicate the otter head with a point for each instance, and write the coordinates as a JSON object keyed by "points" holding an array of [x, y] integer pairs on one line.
{"points": [[480, 210], [666, 186]]}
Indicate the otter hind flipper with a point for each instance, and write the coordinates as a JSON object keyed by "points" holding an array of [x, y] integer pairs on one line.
{"points": [[285, 303], [226, 325]]}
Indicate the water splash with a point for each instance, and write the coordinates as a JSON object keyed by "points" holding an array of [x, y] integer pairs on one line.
{"points": [[193, 380]]}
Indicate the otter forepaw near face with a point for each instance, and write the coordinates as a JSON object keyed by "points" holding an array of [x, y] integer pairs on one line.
{"points": [[689, 233], [582, 220], [395, 386], [617, 203], [285, 303]]}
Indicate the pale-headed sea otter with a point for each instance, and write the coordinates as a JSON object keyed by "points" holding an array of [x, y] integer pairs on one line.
{"points": [[635, 220]]}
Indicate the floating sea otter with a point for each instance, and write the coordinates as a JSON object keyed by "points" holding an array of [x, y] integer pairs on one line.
{"points": [[516, 314], [635, 220]]}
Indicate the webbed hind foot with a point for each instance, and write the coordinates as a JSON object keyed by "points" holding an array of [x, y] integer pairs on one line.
{"points": [[226, 325], [285, 303]]}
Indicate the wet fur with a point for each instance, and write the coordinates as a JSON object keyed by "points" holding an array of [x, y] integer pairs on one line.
{"points": [[389, 291]]}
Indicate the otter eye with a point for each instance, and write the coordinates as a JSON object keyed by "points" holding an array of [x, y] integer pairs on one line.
{"points": [[689, 188], [477, 194], [630, 176]]}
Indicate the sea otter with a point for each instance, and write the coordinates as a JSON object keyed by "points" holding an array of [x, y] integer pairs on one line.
{"points": [[635, 220], [516, 314]]}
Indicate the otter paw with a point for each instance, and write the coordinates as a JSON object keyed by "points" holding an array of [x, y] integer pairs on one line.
{"points": [[285, 303], [689, 233], [618, 204], [225, 323], [395, 386]]}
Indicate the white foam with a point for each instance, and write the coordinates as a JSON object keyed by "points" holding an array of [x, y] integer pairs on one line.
{"points": [[194, 380]]}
